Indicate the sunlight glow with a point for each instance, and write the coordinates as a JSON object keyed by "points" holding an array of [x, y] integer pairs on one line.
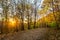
{"points": [[12, 22], [25, 20]]}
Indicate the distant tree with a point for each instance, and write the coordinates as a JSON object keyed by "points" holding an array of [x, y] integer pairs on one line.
{"points": [[55, 13]]}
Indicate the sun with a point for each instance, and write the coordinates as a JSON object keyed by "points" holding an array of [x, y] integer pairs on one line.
{"points": [[12, 22]]}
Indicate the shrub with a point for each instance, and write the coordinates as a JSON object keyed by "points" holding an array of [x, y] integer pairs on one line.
{"points": [[52, 24]]}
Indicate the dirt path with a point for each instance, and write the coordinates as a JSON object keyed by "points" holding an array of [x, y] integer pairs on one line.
{"points": [[35, 34]]}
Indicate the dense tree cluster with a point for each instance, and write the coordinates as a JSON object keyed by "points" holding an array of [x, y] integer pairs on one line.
{"points": [[25, 14]]}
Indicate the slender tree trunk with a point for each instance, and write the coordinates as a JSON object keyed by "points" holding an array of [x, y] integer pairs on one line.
{"points": [[35, 14], [28, 20], [22, 15]]}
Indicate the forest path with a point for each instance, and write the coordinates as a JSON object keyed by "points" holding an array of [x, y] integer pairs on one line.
{"points": [[34, 34]]}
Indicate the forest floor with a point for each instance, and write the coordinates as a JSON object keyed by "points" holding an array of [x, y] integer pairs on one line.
{"points": [[34, 34]]}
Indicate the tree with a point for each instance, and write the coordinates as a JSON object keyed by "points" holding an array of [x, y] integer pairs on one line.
{"points": [[35, 11], [5, 12], [54, 13]]}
